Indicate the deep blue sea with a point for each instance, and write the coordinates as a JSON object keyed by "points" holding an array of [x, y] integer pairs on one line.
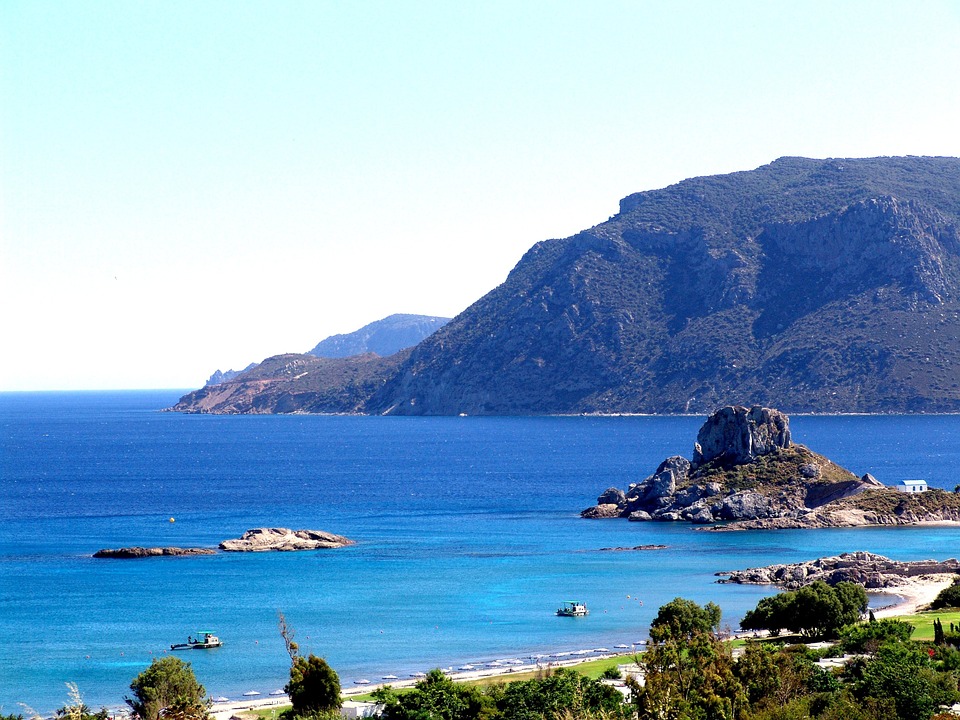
{"points": [[467, 530]]}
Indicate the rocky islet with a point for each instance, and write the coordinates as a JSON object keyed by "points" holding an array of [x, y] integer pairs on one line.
{"points": [[746, 473]]}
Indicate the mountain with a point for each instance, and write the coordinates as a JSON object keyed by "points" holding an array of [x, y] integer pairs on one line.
{"points": [[809, 285], [383, 337]]}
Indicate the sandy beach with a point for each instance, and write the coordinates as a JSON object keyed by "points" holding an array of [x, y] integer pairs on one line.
{"points": [[915, 594]]}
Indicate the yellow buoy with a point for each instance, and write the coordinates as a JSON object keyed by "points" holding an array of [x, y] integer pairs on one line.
{"points": [[172, 520]]}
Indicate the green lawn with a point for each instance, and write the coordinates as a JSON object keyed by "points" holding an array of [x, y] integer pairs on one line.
{"points": [[923, 622]]}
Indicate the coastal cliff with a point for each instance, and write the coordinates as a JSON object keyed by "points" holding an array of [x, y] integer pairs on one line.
{"points": [[748, 474]]}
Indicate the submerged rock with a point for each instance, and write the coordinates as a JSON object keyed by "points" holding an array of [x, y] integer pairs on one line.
{"points": [[134, 553]]}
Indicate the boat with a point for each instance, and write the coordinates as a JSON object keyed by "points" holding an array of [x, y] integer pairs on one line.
{"points": [[390, 677], [573, 608], [204, 641], [362, 681]]}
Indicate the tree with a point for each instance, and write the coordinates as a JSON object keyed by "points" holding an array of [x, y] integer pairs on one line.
{"points": [[948, 597], [815, 610], [314, 686], [684, 618], [688, 672], [905, 674], [168, 687], [436, 697], [870, 636]]}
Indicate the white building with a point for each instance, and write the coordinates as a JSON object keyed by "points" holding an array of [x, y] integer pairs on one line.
{"points": [[912, 486], [359, 709]]}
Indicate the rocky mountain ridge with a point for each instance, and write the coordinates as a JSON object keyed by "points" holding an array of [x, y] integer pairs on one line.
{"points": [[809, 285], [384, 337]]}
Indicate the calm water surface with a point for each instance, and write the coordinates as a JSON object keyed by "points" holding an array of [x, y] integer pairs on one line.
{"points": [[467, 537]]}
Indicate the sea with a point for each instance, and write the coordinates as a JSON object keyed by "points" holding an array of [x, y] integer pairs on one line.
{"points": [[467, 538]]}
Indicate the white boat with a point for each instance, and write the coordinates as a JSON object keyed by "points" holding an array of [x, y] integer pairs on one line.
{"points": [[573, 608], [418, 674], [467, 667], [363, 681], [204, 641], [251, 693], [390, 677], [621, 646], [278, 692]]}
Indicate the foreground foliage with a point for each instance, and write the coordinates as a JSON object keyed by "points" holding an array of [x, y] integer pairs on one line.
{"points": [[562, 694], [168, 689]]}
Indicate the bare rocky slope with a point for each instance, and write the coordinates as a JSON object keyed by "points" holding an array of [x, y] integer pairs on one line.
{"points": [[747, 473], [808, 285], [296, 384]]}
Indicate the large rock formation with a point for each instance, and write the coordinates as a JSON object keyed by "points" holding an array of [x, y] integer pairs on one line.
{"points": [[868, 569], [738, 435], [808, 285], [264, 539]]}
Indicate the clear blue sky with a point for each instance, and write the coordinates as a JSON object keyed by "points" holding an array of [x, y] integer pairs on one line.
{"points": [[189, 186]]}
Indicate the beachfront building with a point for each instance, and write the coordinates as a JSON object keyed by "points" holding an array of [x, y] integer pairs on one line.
{"points": [[912, 486]]}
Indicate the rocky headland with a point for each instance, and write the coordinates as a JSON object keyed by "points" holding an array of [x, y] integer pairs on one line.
{"points": [[134, 553], [746, 473], [868, 569], [284, 539]]}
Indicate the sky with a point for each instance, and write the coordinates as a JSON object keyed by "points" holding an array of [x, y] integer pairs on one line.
{"points": [[187, 186]]}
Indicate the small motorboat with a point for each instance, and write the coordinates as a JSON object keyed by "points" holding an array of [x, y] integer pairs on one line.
{"points": [[204, 641], [573, 608]]}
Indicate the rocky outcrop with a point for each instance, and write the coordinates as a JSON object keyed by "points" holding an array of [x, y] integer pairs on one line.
{"points": [[868, 569], [634, 548], [745, 469], [739, 435], [135, 553], [283, 539]]}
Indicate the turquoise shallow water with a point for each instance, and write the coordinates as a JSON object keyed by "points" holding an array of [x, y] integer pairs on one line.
{"points": [[467, 537]]}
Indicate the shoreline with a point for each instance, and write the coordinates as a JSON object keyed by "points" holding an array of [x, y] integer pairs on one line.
{"points": [[224, 711], [916, 593]]}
